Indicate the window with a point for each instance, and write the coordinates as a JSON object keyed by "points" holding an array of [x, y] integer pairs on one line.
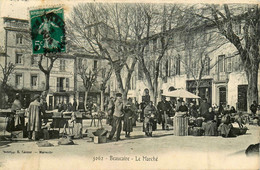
{"points": [[67, 83], [80, 60], [63, 84], [178, 66], [207, 66], [19, 39], [18, 79], [237, 64], [194, 67], [33, 60], [95, 64], [173, 65], [18, 58], [62, 65], [34, 80], [140, 71], [221, 62], [229, 65], [169, 67], [166, 68]]}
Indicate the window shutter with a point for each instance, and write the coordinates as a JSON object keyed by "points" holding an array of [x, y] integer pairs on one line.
{"points": [[60, 65], [169, 67], [64, 65], [58, 83], [67, 83], [208, 66], [166, 68]]}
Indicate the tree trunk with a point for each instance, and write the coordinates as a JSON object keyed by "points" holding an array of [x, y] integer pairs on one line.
{"points": [[156, 76], [120, 86], [124, 96], [47, 81], [197, 93], [152, 96], [102, 99], [155, 91], [85, 100], [252, 78]]}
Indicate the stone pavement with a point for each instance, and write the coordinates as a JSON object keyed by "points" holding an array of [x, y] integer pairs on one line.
{"points": [[164, 150]]}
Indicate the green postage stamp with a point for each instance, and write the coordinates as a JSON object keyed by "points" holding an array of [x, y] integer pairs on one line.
{"points": [[47, 30]]}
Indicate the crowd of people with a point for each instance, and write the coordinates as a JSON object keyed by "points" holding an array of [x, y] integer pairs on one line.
{"points": [[213, 120]]}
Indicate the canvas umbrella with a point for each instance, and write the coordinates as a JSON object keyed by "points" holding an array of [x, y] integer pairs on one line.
{"points": [[181, 93]]}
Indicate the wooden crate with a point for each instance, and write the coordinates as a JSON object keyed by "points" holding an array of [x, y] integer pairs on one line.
{"points": [[100, 139], [180, 126]]}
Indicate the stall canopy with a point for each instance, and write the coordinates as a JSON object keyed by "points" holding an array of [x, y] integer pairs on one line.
{"points": [[181, 93]]}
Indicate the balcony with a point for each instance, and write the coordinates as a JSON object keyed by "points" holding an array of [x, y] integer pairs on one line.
{"points": [[64, 89], [19, 25], [221, 77]]}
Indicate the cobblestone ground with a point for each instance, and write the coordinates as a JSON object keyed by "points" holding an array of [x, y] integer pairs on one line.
{"points": [[162, 151]]}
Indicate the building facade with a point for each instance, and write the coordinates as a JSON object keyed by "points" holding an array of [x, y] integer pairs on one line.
{"points": [[27, 79], [223, 80]]}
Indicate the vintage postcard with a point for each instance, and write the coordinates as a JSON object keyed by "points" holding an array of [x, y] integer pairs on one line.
{"points": [[129, 84]]}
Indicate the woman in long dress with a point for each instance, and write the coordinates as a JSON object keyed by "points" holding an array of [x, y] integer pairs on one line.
{"points": [[149, 116], [128, 125], [34, 118], [110, 111]]}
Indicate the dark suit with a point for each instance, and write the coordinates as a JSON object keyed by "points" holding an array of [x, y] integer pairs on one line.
{"points": [[163, 106], [204, 108]]}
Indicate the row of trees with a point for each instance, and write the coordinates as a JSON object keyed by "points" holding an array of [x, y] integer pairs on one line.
{"points": [[120, 34]]}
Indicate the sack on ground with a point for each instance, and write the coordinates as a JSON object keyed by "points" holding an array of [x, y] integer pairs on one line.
{"points": [[44, 144], [253, 150], [65, 141]]}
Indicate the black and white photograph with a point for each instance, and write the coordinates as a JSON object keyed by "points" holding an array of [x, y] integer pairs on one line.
{"points": [[129, 84]]}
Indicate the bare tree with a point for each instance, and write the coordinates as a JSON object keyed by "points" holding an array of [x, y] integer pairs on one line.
{"points": [[198, 48], [45, 62], [7, 70], [47, 71], [106, 74], [89, 77], [225, 18], [103, 30], [151, 19]]}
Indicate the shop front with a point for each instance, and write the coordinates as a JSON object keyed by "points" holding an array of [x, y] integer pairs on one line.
{"points": [[60, 97], [26, 96], [205, 89]]}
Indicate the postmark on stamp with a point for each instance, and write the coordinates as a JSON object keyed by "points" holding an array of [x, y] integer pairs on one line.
{"points": [[47, 30]]}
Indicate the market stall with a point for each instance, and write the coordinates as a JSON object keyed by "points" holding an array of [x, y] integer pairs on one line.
{"points": [[180, 120]]}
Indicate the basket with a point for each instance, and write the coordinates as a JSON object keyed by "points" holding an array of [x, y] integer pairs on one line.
{"points": [[78, 114], [57, 115], [239, 131], [67, 114]]}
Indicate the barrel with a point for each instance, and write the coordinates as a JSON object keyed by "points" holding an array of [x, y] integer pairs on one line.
{"points": [[3, 123], [180, 126]]}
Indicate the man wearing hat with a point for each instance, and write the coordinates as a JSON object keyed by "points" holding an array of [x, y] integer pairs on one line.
{"points": [[117, 118], [34, 118], [16, 104], [15, 107], [204, 107], [164, 108]]}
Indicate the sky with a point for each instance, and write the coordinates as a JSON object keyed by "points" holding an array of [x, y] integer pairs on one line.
{"points": [[20, 8]]}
